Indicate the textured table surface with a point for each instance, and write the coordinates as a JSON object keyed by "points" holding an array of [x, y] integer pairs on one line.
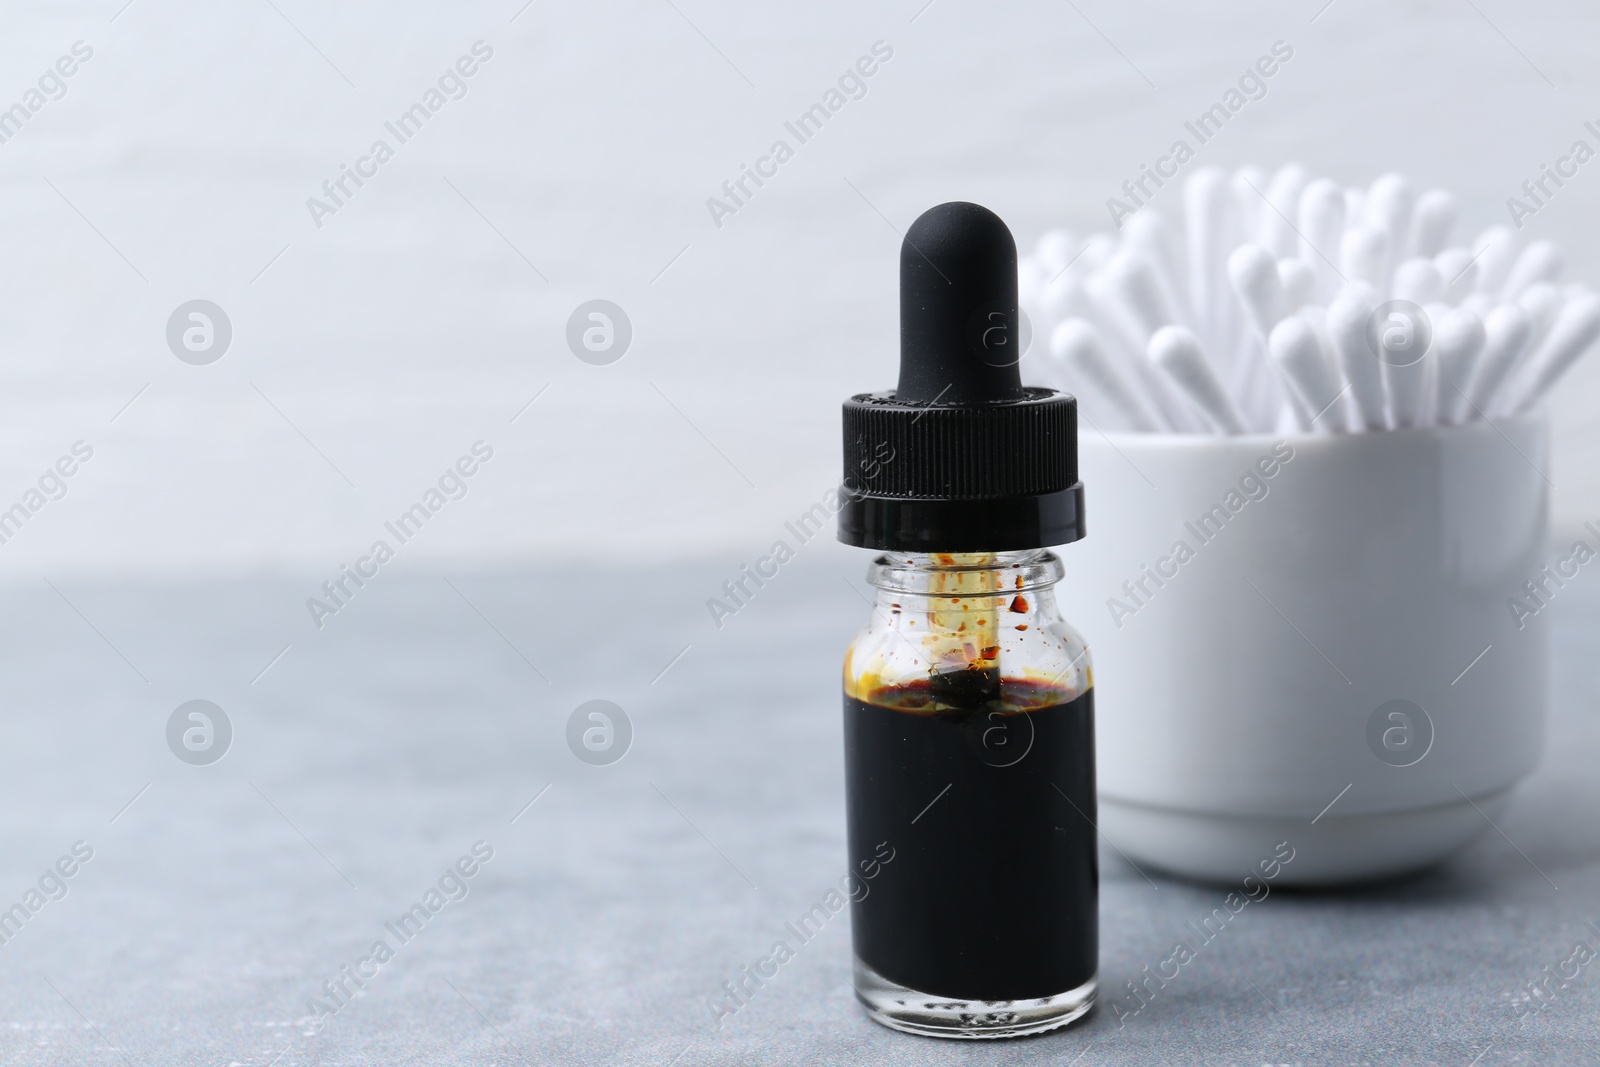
{"points": [[427, 714]]}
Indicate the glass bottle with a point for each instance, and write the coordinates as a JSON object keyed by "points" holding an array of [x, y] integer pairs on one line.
{"points": [[969, 764], [968, 701]]}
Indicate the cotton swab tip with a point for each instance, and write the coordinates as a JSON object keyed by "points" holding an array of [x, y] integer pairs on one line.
{"points": [[1299, 283], [1055, 250], [1177, 351], [1431, 222], [1364, 254], [1348, 319], [1297, 349], [1541, 261], [1077, 346], [1254, 274], [1458, 336], [1419, 281], [1507, 332], [1575, 329]]}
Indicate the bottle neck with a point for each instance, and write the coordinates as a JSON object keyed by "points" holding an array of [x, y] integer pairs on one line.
{"points": [[965, 574], [965, 620]]}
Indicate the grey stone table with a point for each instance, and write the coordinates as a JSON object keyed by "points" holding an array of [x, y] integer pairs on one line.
{"points": [[430, 714]]}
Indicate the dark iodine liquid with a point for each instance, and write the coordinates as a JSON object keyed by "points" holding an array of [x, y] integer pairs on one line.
{"points": [[993, 892]]}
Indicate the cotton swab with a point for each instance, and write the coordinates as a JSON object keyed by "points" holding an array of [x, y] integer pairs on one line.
{"points": [[1389, 205], [1298, 352], [1059, 299], [1355, 205], [1431, 222], [1054, 251], [1459, 272], [1575, 329], [1459, 338], [1347, 330], [1364, 255], [1429, 413], [1541, 261], [1249, 184], [1258, 387], [1494, 249], [1135, 283], [1401, 336], [1339, 412], [1418, 281], [1543, 302], [1208, 210], [1132, 297], [1321, 218], [1076, 345], [1254, 275], [1506, 336], [1275, 228], [1177, 351], [1096, 251], [1148, 232], [1072, 297], [1492, 327], [1299, 283]]}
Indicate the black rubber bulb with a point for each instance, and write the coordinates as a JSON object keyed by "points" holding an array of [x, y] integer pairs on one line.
{"points": [[959, 342]]}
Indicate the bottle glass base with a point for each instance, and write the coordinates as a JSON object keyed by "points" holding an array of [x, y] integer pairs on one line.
{"points": [[900, 1008]]}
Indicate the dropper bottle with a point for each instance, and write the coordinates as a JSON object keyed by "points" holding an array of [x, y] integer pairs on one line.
{"points": [[968, 700]]}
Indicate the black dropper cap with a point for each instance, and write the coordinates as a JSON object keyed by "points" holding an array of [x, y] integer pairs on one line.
{"points": [[961, 457]]}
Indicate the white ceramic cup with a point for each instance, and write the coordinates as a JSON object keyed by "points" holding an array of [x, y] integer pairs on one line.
{"points": [[1333, 660]]}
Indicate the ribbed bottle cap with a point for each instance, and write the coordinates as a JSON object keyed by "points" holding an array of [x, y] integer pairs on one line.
{"points": [[961, 457]]}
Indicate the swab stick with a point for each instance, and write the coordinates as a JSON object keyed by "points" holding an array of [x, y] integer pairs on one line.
{"points": [[1209, 212], [1134, 282], [1321, 225], [1177, 351], [1298, 352], [1347, 330], [1148, 232], [1459, 339], [1076, 346], [1541, 261], [1506, 336], [1132, 304], [1253, 273], [1459, 273], [1575, 329], [1248, 184], [1277, 214], [1400, 335], [1389, 205], [1543, 302], [1495, 249]]}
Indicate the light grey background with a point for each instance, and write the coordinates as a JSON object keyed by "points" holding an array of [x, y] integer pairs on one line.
{"points": [[408, 326], [370, 353]]}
